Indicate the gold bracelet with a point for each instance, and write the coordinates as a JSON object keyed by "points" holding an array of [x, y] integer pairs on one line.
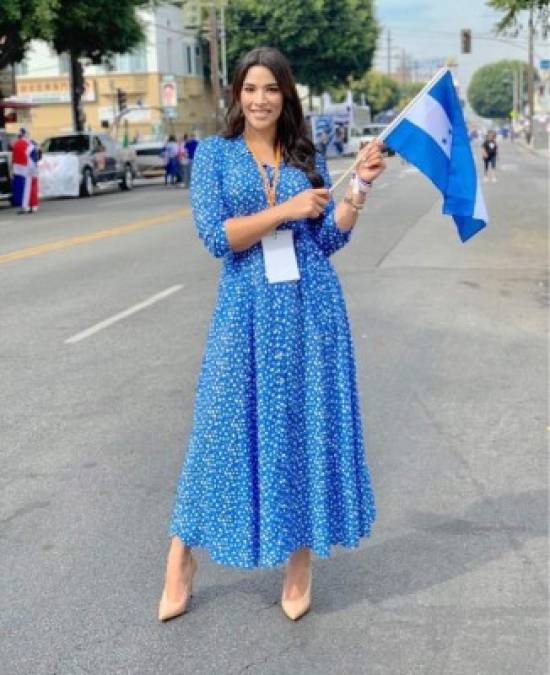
{"points": [[353, 205]]}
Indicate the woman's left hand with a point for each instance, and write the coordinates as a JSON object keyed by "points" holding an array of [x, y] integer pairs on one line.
{"points": [[370, 161]]}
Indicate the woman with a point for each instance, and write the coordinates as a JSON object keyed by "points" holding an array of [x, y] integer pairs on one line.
{"points": [[171, 162], [489, 151], [275, 467]]}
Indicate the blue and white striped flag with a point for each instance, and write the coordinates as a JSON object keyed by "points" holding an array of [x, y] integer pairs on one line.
{"points": [[431, 134]]}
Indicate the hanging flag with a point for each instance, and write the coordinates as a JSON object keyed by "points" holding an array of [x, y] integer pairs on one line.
{"points": [[431, 133]]}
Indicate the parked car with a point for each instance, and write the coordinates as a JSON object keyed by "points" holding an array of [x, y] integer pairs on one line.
{"points": [[149, 158], [102, 161], [372, 131], [5, 175], [6, 140]]}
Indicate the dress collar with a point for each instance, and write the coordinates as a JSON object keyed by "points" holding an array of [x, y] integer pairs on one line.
{"points": [[242, 149]]}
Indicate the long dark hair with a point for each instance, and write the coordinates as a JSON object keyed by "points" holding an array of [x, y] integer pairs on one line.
{"points": [[297, 148]]}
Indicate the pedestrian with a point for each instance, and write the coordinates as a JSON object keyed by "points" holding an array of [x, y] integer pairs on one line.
{"points": [[171, 171], [35, 156], [339, 140], [275, 468], [322, 144], [191, 145], [489, 151], [25, 156], [183, 162]]}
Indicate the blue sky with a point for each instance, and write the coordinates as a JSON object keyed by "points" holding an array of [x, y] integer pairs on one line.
{"points": [[428, 29]]}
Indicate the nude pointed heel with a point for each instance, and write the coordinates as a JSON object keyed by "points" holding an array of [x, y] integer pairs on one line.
{"points": [[169, 609], [295, 609]]}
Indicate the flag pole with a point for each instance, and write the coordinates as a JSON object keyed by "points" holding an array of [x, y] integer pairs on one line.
{"points": [[394, 122]]}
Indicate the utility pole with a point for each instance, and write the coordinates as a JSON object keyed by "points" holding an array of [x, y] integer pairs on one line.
{"points": [[223, 42], [530, 83], [214, 62], [388, 43]]}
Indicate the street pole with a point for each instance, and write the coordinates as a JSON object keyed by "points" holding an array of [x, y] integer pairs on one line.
{"points": [[76, 79], [530, 83], [214, 63]]}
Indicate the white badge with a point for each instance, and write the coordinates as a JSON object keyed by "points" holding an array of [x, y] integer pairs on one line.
{"points": [[279, 257]]}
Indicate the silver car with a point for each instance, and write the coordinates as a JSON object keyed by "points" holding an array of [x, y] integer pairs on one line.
{"points": [[102, 160]]}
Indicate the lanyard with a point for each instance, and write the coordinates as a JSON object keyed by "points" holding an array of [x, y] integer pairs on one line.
{"points": [[270, 188]]}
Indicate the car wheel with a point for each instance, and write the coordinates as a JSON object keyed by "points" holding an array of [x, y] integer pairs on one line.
{"points": [[87, 185], [127, 182]]}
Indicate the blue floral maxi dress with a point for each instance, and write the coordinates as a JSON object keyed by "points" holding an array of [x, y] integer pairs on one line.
{"points": [[275, 459]]}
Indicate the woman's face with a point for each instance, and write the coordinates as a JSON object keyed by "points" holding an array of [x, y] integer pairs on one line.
{"points": [[261, 98]]}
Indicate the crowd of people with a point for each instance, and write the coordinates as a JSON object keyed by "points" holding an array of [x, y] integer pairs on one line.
{"points": [[178, 159]]}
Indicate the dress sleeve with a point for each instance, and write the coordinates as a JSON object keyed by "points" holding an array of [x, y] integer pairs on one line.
{"points": [[206, 196], [325, 231]]}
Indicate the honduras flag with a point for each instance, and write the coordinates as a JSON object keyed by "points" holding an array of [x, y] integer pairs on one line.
{"points": [[431, 134]]}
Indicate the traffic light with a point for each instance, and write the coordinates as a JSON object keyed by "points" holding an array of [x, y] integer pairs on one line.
{"points": [[121, 99], [466, 41]]}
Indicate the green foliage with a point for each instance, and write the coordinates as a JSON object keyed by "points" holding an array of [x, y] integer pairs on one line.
{"points": [[326, 41], [510, 21], [20, 22], [407, 92], [97, 29], [380, 91], [490, 91]]}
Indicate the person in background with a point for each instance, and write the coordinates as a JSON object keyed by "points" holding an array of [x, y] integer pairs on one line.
{"points": [[35, 156], [171, 171], [489, 151], [25, 169], [322, 143], [191, 147], [183, 162], [339, 140]]}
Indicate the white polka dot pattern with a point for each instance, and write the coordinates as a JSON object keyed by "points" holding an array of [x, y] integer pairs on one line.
{"points": [[276, 458]]}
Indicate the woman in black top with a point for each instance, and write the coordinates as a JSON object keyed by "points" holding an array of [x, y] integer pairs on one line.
{"points": [[489, 151]]}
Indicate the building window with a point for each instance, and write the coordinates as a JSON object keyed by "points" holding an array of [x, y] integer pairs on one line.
{"points": [[132, 62], [189, 60], [64, 64], [169, 54], [22, 68]]}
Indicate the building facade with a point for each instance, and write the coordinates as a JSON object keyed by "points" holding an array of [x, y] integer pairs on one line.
{"points": [[163, 83]]}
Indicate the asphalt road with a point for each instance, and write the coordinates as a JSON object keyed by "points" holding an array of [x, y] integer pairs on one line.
{"points": [[105, 306]]}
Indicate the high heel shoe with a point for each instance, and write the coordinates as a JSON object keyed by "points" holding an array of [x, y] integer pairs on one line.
{"points": [[168, 609], [295, 609]]}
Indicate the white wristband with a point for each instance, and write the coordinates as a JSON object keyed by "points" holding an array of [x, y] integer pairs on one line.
{"points": [[358, 185]]}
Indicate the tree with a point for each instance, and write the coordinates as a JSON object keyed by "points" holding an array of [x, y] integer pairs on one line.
{"points": [[380, 91], [491, 91], [407, 92], [20, 22], [95, 31], [510, 23], [326, 41]]}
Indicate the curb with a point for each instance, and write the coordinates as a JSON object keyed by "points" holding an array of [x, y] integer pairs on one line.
{"points": [[541, 152]]}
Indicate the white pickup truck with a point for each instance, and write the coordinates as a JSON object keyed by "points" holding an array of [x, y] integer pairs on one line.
{"points": [[102, 161]]}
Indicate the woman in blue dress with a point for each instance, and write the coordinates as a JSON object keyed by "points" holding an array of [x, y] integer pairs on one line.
{"points": [[275, 468]]}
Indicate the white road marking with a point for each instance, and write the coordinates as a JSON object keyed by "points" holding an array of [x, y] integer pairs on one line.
{"points": [[409, 169], [122, 315]]}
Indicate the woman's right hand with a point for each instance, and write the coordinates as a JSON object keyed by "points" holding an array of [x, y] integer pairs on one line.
{"points": [[307, 204]]}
